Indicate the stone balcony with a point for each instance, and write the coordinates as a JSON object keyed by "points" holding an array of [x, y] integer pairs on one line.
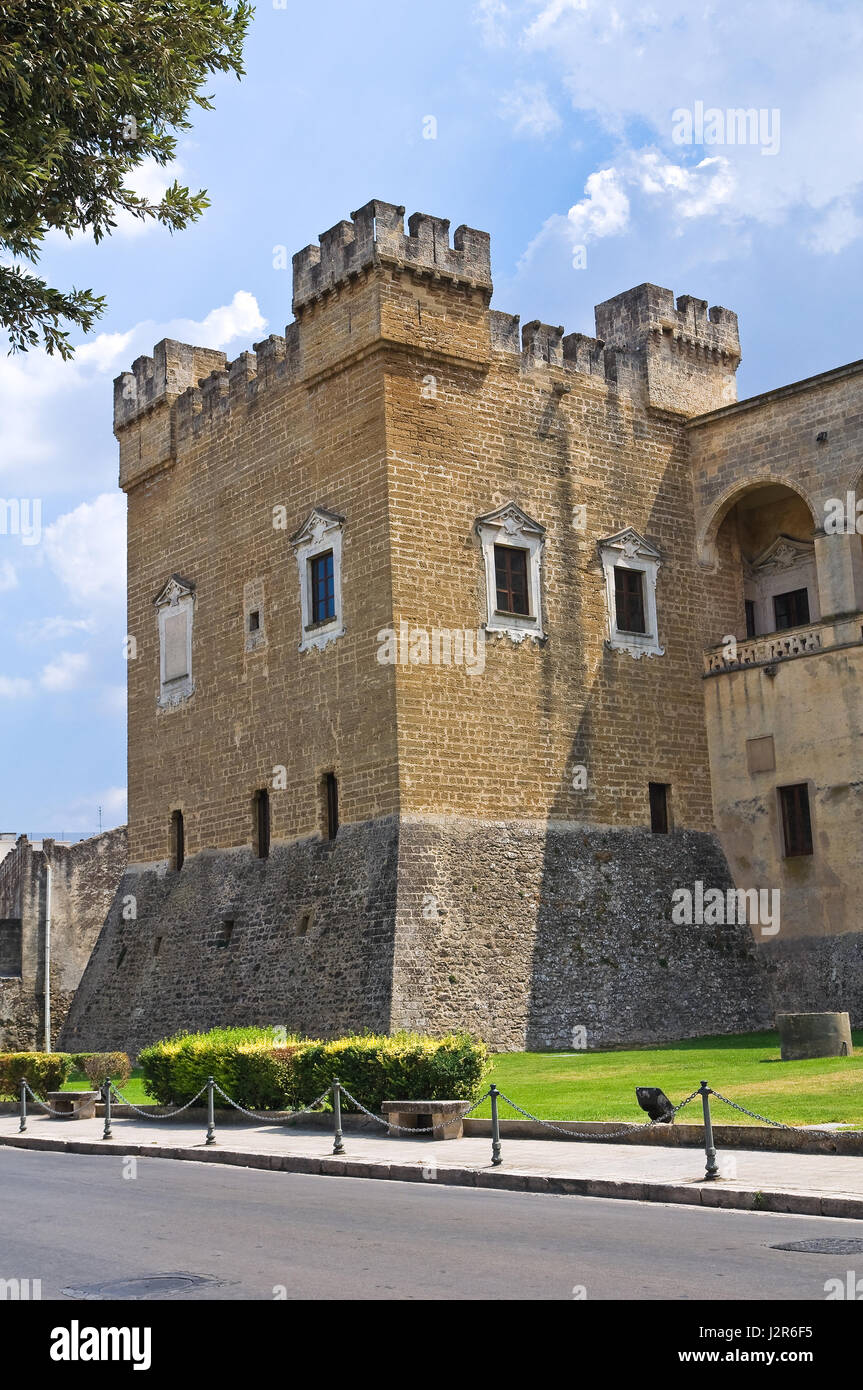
{"points": [[772, 647]]}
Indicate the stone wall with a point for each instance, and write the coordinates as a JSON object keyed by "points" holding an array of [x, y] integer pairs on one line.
{"points": [[310, 947], [526, 933], [83, 882]]}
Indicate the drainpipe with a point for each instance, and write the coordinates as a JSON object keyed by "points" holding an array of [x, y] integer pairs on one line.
{"points": [[47, 955]]}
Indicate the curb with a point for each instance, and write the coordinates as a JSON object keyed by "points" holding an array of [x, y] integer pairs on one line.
{"points": [[697, 1193]]}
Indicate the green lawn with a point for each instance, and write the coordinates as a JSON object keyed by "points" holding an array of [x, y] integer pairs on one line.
{"points": [[133, 1089], [746, 1068]]}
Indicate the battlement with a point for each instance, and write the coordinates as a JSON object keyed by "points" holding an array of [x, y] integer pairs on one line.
{"points": [[161, 378], [637, 320], [376, 236]]}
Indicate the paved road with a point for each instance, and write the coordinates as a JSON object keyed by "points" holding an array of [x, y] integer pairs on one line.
{"points": [[73, 1220]]}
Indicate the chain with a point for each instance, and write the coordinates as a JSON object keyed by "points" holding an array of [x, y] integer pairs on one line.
{"points": [[616, 1134], [61, 1114], [272, 1119], [409, 1129], [149, 1114]]}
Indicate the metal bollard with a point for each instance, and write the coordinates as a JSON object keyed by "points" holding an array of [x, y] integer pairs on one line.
{"points": [[709, 1149], [496, 1159], [23, 1107], [338, 1146], [211, 1112], [106, 1089]]}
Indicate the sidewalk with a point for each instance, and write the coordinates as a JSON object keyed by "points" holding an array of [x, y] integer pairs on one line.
{"points": [[808, 1184]]}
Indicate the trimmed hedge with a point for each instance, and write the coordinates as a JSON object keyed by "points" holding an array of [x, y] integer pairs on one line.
{"points": [[263, 1076], [403, 1066], [45, 1071], [251, 1064]]}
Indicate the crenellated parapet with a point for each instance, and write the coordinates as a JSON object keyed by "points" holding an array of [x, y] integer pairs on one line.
{"points": [[375, 236]]}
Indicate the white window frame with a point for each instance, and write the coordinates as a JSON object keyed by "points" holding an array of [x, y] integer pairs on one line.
{"points": [[630, 551], [321, 531], [511, 526], [177, 596]]}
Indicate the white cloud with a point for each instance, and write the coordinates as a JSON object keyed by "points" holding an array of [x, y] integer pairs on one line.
{"points": [[55, 629], [529, 110], [836, 230], [66, 672], [13, 687], [86, 548], [630, 65], [38, 392], [604, 211], [240, 319], [8, 577]]}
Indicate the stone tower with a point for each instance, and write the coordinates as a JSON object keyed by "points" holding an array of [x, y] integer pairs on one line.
{"points": [[395, 759]]}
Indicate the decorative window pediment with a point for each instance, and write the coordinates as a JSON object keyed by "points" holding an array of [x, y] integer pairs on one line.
{"points": [[512, 581], [630, 565], [175, 608], [782, 554], [318, 548]]}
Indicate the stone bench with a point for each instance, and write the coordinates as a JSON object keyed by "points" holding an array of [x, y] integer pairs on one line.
{"points": [[77, 1105], [421, 1115]]}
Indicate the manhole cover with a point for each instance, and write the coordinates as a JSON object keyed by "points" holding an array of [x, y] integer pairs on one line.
{"points": [[147, 1286], [825, 1246]]}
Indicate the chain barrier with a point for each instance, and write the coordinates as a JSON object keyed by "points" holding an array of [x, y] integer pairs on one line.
{"points": [[148, 1114], [777, 1124], [616, 1134], [271, 1119], [61, 1114], [410, 1129]]}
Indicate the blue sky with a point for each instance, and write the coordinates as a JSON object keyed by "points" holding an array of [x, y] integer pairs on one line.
{"points": [[555, 130]]}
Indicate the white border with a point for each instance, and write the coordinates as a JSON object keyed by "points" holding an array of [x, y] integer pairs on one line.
{"points": [[509, 525], [630, 551]]}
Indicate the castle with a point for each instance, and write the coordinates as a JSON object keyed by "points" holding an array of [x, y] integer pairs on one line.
{"points": [[457, 649]]}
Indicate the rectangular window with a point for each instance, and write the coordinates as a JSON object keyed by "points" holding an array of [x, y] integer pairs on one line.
{"points": [[178, 840], [658, 792], [510, 570], [262, 824], [796, 822], [323, 583], [255, 621], [629, 599], [750, 617], [791, 609], [332, 794]]}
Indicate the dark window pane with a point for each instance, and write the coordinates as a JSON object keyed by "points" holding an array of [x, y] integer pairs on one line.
{"points": [[791, 609], [323, 588], [510, 565], [796, 822], [262, 824], [750, 617], [629, 599], [178, 840], [332, 790], [658, 793]]}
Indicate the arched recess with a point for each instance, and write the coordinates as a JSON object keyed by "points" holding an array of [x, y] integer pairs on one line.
{"points": [[708, 531], [762, 537]]}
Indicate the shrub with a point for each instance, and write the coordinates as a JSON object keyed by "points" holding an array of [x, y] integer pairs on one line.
{"points": [[403, 1066], [79, 1059], [98, 1065], [45, 1071], [251, 1064], [261, 1076]]}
